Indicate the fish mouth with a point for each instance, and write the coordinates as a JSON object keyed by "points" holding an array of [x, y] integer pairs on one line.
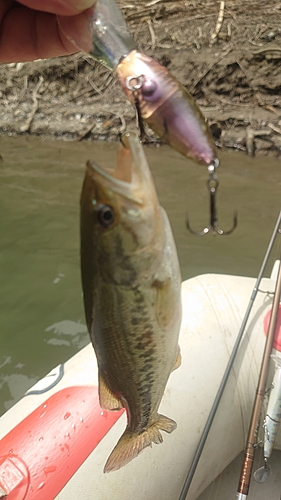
{"points": [[131, 178]]}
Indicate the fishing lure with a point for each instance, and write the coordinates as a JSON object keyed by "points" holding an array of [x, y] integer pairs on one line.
{"points": [[161, 101]]}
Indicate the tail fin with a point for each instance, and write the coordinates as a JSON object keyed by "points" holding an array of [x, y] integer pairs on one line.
{"points": [[131, 444]]}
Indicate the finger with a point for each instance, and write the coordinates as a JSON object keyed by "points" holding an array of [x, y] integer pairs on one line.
{"points": [[27, 35], [60, 7], [77, 29]]}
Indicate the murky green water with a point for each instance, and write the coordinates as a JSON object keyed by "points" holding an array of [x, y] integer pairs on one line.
{"points": [[41, 315]]}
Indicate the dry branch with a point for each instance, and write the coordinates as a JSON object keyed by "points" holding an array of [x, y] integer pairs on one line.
{"points": [[219, 22], [26, 126]]}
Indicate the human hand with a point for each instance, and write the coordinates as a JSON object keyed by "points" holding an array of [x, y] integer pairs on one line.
{"points": [[30, 30]]}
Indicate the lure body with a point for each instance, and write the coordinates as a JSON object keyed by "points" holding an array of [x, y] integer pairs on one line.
{"points": [[162, 102], [166, 106]]}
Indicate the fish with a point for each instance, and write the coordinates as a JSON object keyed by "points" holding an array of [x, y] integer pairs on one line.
{"points": [[166, 106], [131, 284]]}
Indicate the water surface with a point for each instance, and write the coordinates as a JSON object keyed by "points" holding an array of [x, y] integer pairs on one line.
{"points": [[41, 316]]}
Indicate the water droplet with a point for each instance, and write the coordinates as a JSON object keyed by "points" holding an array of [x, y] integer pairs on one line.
{"points": [[67, 434], [73, 427], [67, 415], [81, 419], [49, 469], [101, 413], [41, 438], [44, 406], [41, 486]]}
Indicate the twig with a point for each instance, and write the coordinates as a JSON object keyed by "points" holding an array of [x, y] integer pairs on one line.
{"points": [[250, 136], [152, 34], [121, 118], [264, 105], [219, 22], [276, 129], [153, 2], [86, 132], [105, 87], [26, 126], [94, 86], [267, 49], [229, 29], [250, 145]]}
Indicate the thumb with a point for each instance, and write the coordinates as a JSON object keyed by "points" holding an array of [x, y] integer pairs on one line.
{"points": [[59, 7], [77, 29], [79, 5]]}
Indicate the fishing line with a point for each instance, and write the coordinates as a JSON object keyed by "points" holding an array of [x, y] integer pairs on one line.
{"points": [[226, 374]]}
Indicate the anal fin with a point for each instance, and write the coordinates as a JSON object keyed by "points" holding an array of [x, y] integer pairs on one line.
{"points": [[178, 360], [108, 401]]}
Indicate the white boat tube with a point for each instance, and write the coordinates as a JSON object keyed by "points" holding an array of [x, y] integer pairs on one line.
{"points": [[54, 444]]}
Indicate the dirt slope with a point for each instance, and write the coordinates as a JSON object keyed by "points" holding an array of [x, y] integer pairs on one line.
{"points": [[233, 70]]}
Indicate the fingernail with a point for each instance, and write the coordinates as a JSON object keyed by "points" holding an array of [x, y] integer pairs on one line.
{"points": [[83, 4], [79, 5]]}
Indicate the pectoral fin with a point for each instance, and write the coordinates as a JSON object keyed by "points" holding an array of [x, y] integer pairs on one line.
{"points": [[178, 359], [108, 401]]}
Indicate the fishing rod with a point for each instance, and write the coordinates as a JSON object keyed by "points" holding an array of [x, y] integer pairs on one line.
{"points": [[226, 374], [251, 444]]}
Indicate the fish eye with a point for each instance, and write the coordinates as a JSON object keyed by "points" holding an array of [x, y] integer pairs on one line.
{"points": [[105, 215], [149, 87]]}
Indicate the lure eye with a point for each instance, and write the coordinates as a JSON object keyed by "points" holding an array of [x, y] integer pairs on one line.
{"points": [[149, 88], [105, 215]]}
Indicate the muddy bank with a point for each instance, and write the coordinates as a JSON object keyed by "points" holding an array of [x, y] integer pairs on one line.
{"points": [[229, 59]]}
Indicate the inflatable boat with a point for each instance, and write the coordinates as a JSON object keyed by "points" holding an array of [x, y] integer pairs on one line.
{"points": [[55, 440]]}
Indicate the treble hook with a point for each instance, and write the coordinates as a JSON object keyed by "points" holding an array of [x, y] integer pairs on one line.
{"points": [[213, 184]]}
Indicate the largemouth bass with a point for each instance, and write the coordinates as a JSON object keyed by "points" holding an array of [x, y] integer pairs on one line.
{"points": [[131, 283]]}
